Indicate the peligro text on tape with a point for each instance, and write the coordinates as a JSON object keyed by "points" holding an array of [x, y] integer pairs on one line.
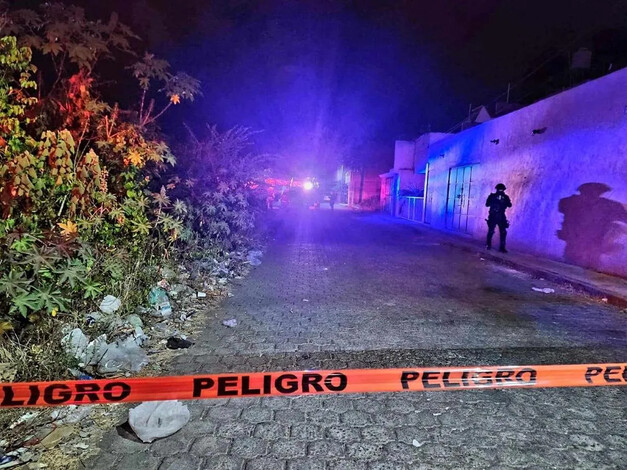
{"points": [[209, 386]]}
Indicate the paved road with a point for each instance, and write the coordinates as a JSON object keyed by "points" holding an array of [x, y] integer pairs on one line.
{"points": [[340, 290]]}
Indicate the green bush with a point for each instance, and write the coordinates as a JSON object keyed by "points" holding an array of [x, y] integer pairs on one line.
{"points": [[90, 196]]}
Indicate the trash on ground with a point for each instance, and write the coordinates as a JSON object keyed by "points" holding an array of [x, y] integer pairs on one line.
{"points": [[93, 317], [94, 351], [164, 329], [138, 336], [201, 295], [158, 298], [415, 443], [232, 323], [134, 320], [546, 290], [75, 343], [155, 419], [22, 419], [164, 284], [305, 300], [70, 414], [57, 436], [186, 315], [110, 304], [8, 461], [179, 289], [178, 343], [123, 355], [253, 257], [604, 299]]}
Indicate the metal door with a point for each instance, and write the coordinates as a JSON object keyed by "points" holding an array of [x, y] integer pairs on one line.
{"points": [[459, 197]]}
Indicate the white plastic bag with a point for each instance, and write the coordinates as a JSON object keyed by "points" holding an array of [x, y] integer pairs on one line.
{"points": [[110, 304], [155, 419], [123, 355]]}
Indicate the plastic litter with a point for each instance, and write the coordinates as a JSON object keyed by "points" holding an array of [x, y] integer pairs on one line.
{"points": [[123, 355], [94, 351], [546, 290], [415, 443], [110, 304], [178, 343], [93, 317], [155, 419], [134, 320], [179, 289], [232, 323], [138, 336], [75, 343], [8, 461], [24, 418], [70, 414], [254, 257], [158, 298], [201, 295], [186, 315]]}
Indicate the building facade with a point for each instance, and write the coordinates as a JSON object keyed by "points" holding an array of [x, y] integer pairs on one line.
{"points": [[564, 162]]}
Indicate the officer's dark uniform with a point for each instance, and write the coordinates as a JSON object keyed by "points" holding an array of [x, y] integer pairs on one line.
{"points": [[498, 202]]}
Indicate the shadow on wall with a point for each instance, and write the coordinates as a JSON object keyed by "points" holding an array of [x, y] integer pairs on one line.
{"points": [[592, 225]]}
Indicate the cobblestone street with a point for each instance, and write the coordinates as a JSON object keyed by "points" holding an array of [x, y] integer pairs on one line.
{"points": [[347, 290]]}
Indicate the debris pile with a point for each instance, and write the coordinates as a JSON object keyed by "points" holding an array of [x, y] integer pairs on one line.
{"points": [[113, 342]]}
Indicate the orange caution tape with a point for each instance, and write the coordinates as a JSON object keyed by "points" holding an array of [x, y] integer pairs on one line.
{"points": [[82, 392]]}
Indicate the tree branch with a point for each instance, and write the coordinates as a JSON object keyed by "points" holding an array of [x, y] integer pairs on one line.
{"points": [[157, 116]]}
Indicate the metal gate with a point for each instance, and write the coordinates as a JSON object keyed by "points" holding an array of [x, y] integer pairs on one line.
{"points": [[459, 197]]}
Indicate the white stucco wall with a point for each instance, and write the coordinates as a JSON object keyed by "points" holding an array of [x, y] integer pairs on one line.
{"points": [[404, 155], [585, 141], [422, 147]]}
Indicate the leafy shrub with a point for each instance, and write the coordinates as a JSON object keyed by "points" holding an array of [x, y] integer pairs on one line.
{"points": [[75, 170], [90, 196], [215, 188]]}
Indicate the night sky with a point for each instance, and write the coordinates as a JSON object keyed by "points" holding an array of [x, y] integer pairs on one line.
{"points": [[325, 79]]}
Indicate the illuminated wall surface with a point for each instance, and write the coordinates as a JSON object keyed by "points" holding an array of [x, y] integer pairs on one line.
{"points": [[567, 180], [370, 190]]}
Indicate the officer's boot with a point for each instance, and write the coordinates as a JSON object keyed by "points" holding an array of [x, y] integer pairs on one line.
{"points": [[502, 244], [488, 243]]}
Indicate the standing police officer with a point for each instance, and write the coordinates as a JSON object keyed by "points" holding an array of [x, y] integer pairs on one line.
{"points": [[498, 202]]}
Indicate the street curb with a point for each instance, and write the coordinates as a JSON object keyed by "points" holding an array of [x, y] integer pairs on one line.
{"points": [[590, 289]]}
